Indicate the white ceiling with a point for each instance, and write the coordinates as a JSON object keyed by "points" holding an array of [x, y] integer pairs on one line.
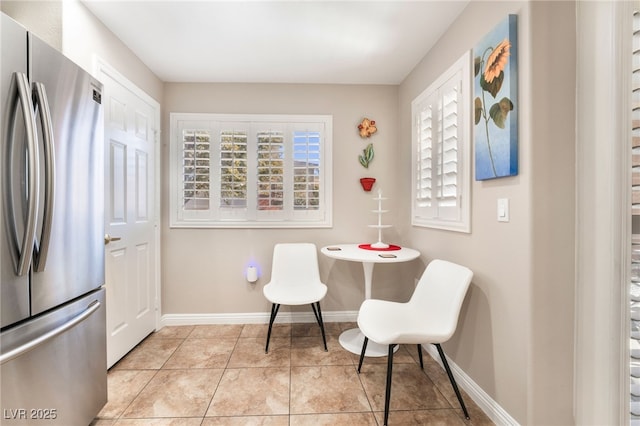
{"points": [[338, 42]]}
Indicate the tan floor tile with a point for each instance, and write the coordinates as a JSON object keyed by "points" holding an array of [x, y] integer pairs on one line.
{"points": [[174, 331], [435, 372], [260, 330], [176, 393], [344, 326], [441, 417], [181, 374], [249, 352], [326, 389], [216, 330], [251, 391], [408, 354], [247, 421], [449, 394], [333, 329], [102, 422], [122, 387], [150, 354], [308, 329], [404, 355], [413, 351], [201, 353], [411, 389], [351, 419], [309, 351], [439, 377], [194, 421], [477, 416]]}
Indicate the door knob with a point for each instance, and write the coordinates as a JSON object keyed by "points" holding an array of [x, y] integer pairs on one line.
{"points": [[108, 238]]}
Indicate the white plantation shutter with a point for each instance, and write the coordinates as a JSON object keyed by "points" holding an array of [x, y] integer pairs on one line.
{"points": [[270, 170], [254, 171], [306, 169], [441, 143], [448, 158], [425, 156], [196, 166], [193, 169], [426, 128], [233, 169], [634, 287]]}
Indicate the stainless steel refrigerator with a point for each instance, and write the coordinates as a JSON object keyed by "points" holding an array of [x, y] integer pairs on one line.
{"points": [[53, 367]]}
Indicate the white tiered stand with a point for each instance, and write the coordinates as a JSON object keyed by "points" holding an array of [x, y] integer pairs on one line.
{"points": [[380, 226]]}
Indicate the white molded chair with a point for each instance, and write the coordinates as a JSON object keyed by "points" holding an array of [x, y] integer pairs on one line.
{"points": [[295, 280], [430, 316]]}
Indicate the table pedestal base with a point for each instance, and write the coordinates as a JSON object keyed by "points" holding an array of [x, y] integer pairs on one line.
{"points": [[352, 341]]}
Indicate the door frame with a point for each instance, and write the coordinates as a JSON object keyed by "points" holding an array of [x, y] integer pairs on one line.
{"points": [[100, 66], [603, 214]]}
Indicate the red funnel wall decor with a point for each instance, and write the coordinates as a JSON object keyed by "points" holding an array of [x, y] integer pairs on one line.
{"points": [[367, 183]]}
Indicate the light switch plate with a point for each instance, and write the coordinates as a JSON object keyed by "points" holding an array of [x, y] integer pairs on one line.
{"points": [[503, 210]]}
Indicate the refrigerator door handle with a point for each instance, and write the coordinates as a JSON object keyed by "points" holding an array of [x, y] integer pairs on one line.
{"points": [[42, 104], [20, 93], [32, 344]]}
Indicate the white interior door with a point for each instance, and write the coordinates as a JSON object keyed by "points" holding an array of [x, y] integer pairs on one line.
{"points": [[130, 213]]}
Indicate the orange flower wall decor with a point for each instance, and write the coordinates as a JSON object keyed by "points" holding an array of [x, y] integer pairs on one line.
{"points": [[367, 128]]}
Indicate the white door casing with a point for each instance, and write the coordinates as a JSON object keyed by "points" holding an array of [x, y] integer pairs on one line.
{"points": [[131, 212], [603, 205]]}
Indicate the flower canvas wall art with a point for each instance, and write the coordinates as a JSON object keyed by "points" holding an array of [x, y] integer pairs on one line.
{"points": [[496, 102]]}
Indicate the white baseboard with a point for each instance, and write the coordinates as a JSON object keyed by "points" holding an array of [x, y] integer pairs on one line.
{"points": [[491, 408], [255, 318]]}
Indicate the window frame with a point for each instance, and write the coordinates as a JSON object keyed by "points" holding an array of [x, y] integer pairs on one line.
{"points": [[250, 215], [438, 215]]}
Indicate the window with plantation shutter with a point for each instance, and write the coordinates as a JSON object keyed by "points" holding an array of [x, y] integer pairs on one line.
{"points": [[441, 151], [250, 170]]}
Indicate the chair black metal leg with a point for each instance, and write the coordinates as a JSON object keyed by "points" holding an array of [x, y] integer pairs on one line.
{"points": [[364, 349], [420, 357], [452, 380], [274, 311], [387, 396], [318, 315]]}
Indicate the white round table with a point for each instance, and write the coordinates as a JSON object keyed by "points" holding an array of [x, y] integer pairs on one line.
{"points": [[352, 339]]}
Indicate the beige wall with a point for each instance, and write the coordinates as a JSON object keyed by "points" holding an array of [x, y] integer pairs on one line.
{"points": [[78, 34], [84, 37], [515, 337], [43, 18], [203, 269], [553, 151]]}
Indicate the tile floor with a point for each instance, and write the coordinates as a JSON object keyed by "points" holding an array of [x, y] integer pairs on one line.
{"points": [[213, 375]]}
